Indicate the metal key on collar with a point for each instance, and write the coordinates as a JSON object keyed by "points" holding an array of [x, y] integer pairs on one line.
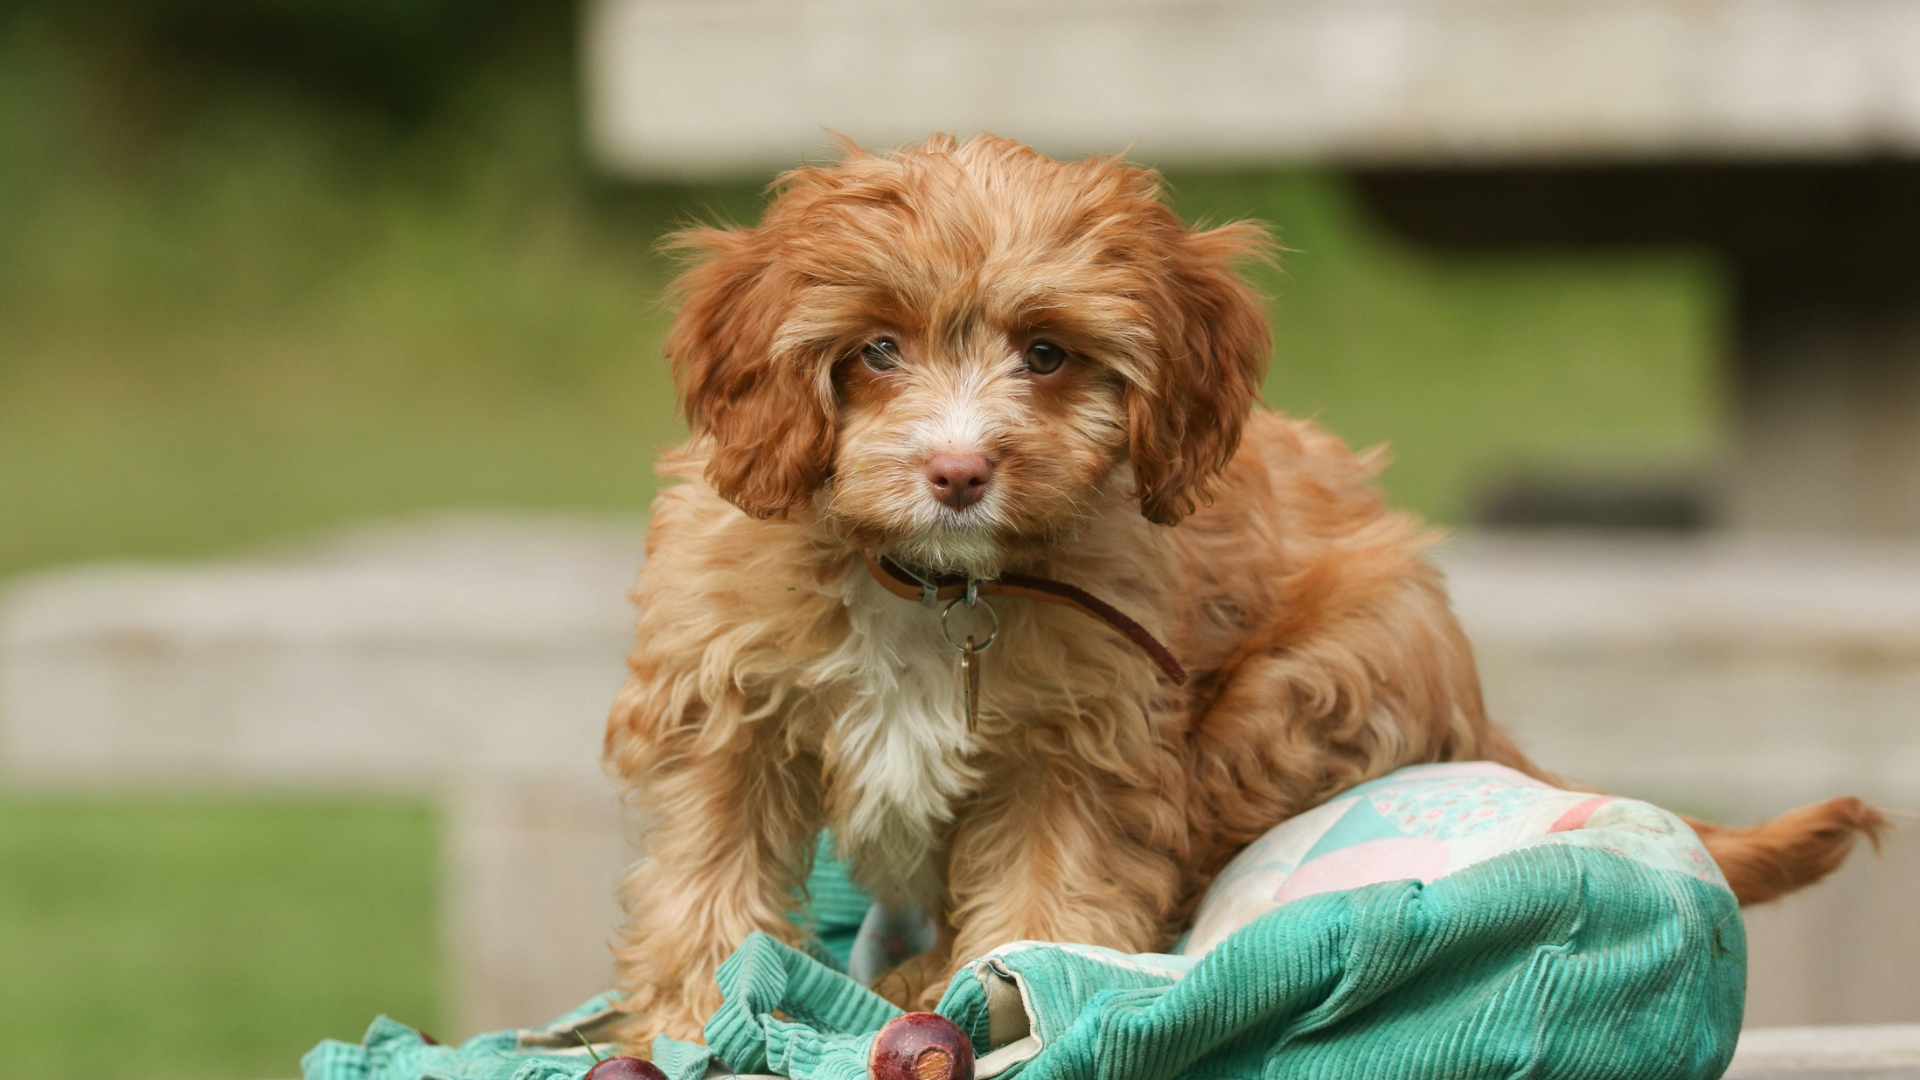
{"points": [[970, 652]]}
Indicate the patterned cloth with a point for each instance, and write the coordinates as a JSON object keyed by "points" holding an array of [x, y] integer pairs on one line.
{"points": [[1451, 921], [1428, 821]]}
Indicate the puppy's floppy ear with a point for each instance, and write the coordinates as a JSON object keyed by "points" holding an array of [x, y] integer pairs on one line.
{"points": [[769, 422], [1184, 421]]}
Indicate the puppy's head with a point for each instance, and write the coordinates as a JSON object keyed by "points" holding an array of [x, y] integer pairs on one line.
{"points": [[952, 350]]}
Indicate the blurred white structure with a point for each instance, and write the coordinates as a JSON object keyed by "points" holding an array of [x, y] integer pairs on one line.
{"points": [[471, 661], [689, 88], [1734, 677], [1883, 1052], [390, 657], [474, 661]]}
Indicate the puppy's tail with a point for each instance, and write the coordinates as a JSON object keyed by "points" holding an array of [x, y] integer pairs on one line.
{"points": [[1793, 850]]}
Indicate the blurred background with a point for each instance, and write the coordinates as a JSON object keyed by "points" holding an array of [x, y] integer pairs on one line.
{"points": [[330, 387]]}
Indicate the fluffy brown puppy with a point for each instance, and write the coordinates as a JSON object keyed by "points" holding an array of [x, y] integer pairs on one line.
{"points": [[978, 360]]}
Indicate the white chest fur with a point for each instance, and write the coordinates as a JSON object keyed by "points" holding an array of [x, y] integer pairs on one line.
{"points": [[901, 742]]}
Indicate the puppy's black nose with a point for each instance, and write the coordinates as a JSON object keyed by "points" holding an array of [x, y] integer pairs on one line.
{"points": [[959, 479]]}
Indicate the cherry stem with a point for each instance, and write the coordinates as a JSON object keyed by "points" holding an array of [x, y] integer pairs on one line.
{"points": [[583, 1042]]}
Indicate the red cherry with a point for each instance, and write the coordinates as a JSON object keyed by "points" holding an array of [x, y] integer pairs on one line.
{"points": [[921, 1046], [625, 1068]]}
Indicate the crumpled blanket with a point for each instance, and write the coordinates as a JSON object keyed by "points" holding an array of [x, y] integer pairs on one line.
{"points": [[1447, 921]]}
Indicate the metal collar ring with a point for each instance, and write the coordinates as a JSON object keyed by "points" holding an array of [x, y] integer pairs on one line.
{"points": [[946, 629]]}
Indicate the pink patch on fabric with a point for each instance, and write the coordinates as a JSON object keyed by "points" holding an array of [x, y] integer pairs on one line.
{"points": [[1576, 818], [1393, 859]]}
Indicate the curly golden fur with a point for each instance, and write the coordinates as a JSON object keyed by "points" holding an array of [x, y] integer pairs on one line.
{"points": [[777, 690]]}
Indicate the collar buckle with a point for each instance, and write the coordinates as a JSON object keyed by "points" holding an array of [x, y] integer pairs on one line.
{"points": [[929, 588]]}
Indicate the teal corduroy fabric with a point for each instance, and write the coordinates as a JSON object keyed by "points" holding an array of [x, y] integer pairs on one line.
{"points": [[1563, 960], [1554, 961], [835, 907], [394, 1051]]}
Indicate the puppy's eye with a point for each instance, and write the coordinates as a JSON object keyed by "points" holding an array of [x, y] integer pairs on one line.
{"points": [[882, 355], [1045, 358]]}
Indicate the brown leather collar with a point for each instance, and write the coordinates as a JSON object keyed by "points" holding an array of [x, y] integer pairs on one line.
{"points": [[927, 589]]}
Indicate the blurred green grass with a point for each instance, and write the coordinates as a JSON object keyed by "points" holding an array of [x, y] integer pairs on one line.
{"points": [[272, 319], [234, 308], [202, 938], [499, 346]]}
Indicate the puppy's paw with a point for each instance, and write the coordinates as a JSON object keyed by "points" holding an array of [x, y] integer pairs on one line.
{"points": [[918, 984], [931, 994]]}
